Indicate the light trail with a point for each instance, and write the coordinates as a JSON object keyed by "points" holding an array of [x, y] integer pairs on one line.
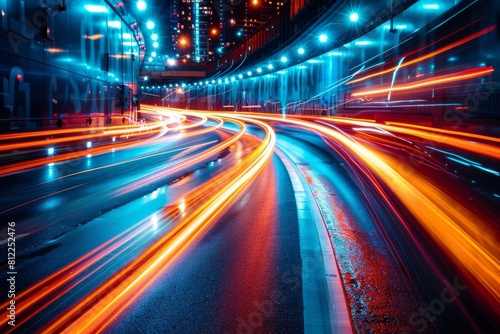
{"points": [[184, 164], [100, 308], [486, 146], [465, 236], [437, 80], [89, 133], [427, 55], [16, 167]]}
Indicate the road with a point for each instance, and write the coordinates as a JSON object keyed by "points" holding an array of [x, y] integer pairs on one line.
{"points": [[197, 225]]}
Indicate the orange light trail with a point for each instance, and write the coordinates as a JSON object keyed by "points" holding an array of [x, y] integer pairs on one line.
{"points": [[428, 55], [469, 240], [91, 133], [100, 308], [186, 163], [146, 131], [463, 75], [487, 146]]}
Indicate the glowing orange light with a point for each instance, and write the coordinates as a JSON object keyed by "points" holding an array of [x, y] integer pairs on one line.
{"points": [[206, 204], [55, 50], [463, 75], [93, 37], [428, 55]]}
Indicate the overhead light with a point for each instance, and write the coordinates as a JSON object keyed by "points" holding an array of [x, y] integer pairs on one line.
{"points": [[154, 37], [323, 38], [115, 24], [141, 5], [95, 8], [431, 6], [362, 43], [150, 25], [301, 51], [155, 44], [354, 17], [284, 59]]}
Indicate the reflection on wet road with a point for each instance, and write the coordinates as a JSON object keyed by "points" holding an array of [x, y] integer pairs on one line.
{"points": [[189, 224]]}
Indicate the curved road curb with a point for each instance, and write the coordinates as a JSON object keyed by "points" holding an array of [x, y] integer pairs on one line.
{"points": [[325, 305]]}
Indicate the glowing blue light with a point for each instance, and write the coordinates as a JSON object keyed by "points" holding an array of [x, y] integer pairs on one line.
{"points": [[95, 8], [150, 25], [431, 6], [154, 37], [141, 5], [155, 44], [51, 150], [270, 66], [353, 17], [150, 59], [249, 73], [259, 70], [362, 43], [240, 76], [301, 51], [115, 24], [153, 54], [323, 38], [89, 144], [284, 59]]}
